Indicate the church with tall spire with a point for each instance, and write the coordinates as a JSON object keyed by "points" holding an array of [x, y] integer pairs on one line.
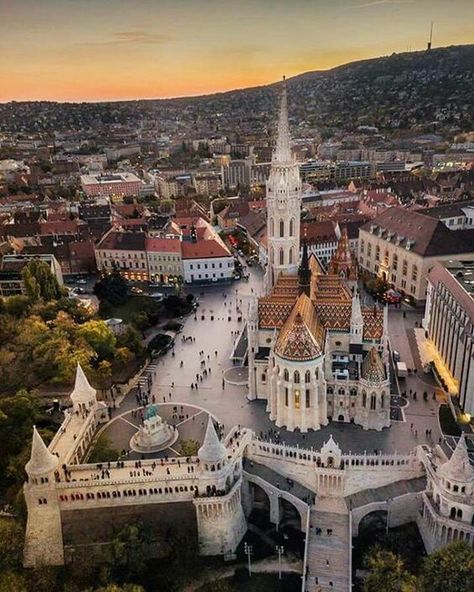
{"points": [[315, 354]]}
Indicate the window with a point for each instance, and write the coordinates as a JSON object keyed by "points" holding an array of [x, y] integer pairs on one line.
{"points": [[414, 273], [404, 267], [307, 376], [377, 253], [369, 250], [292, 226], [297, 399], [264, 377], [282, 257], [286, 397], [308, 398], [286, 375], [282, 229], [291, 256], [296, 377], [373, 402], [364, 400]]}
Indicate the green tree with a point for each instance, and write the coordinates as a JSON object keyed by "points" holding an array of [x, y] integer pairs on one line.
{"points": [[39, 281], [112, 287], [17, 306], [449, 569], [99, 336], [131, 339], [11, 545], [123, 588], [103, 451], [12, 581], [387, 572], [189, 447], [129, 551]]}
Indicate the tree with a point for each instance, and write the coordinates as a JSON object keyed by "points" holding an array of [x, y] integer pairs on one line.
{"points": [[112, 287], [387, 573], [103, 451], [124, 588], [11, 580], [11, 545], [39, 281], [449, 569], [99, 336], [129, 551], [131, 339], [189, 447]]}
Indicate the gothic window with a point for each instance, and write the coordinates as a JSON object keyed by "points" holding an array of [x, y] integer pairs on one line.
{"points": [[282, 260], [353, 392], [286, 375], [272, 227], [373, 401], [382, 401], [459, 514], [307, 376], [308, 399], [292, 227], [282, 228], [395, 262], [291, 256], [264, 377], [341, 391], [296, 377], [286, 397], [316, 373], [364, 400], [330, 390]]}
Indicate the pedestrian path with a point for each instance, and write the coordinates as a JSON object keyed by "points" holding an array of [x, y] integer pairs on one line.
{"points": [[329, 547]]}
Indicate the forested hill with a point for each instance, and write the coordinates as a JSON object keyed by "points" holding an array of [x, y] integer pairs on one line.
{"points": [[398, 91]]}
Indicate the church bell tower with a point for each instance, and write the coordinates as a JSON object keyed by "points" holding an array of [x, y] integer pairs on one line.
{"points": [[283, 204]]}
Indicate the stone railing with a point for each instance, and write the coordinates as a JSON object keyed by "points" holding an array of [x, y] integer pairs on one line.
{"points": [[305, 553]]}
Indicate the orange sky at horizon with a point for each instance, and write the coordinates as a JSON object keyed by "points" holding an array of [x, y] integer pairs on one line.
{"points": [[98, 50]]}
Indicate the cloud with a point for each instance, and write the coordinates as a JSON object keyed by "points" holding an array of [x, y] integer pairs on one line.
{"points": [[135, 37], [374, 3]]}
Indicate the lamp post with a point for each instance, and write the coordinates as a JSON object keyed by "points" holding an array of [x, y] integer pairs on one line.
{"points": [[248, 552], [388, 514], [280, 549]]}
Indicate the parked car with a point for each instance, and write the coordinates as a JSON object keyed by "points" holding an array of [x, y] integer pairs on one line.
{"points": [[396, 355]]}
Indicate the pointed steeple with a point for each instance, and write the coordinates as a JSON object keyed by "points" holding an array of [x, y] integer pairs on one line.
{"points": [[83, 392], [304, 271], [282, 152], [458, 467], [212, 450], [41, 460]]}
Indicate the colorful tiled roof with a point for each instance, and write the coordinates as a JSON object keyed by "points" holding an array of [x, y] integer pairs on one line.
{"points": [[373, 369], [302, 335]]}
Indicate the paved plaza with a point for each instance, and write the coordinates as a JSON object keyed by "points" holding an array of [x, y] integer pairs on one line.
{"points": [[214, 330]]}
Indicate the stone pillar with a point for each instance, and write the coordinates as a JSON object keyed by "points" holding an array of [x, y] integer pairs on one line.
{"points": [[274, 508], [290, 411]]}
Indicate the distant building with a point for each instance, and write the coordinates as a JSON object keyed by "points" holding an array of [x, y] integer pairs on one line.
{"points": [[456, 216], [117, 185], [237, 172], [207, 183], [448, 320]]}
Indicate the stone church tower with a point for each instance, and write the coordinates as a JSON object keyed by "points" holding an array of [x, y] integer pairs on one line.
{"points": [[283, 205]]}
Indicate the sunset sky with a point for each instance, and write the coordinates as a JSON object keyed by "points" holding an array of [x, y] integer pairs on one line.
{"points": [[88, 50]]}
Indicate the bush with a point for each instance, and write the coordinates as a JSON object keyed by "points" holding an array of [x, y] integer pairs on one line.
{"points": [[448, 423]]}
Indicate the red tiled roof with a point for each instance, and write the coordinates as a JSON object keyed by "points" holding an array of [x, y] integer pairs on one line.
{"points": [[203, 249], [163, 245]]}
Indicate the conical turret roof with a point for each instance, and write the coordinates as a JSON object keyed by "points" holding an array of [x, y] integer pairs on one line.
{"points": [[41, 460], [373, 369], [458, 467], [212, 450], [83, 392]]}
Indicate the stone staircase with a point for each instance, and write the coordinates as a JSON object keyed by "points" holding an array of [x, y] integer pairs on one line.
{"points": [[328, 562]]}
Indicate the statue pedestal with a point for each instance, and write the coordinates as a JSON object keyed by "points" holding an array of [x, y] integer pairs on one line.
{"points": [[154, 435]]}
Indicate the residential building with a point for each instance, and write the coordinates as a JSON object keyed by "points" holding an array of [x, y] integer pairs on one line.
{"points": [[403, 247], [207, 183], [164, 260], [124, 251], [449, 322], [11, 280]]}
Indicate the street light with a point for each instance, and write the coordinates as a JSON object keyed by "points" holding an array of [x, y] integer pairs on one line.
{"points": [[248, 552], [280, 549]]}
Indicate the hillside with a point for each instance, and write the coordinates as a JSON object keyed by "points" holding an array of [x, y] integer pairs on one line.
{"points": [[395, 92]]}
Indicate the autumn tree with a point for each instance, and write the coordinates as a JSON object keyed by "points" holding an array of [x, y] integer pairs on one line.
{"points": [[39, 281], [387, 572], [449, 569]]}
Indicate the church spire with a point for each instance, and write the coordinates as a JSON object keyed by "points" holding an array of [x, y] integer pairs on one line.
{"points": [[41, 460], [304, 271], [282, 152]]}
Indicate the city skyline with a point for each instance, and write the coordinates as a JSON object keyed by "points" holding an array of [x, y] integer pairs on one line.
{"points": [[80, 50]]}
